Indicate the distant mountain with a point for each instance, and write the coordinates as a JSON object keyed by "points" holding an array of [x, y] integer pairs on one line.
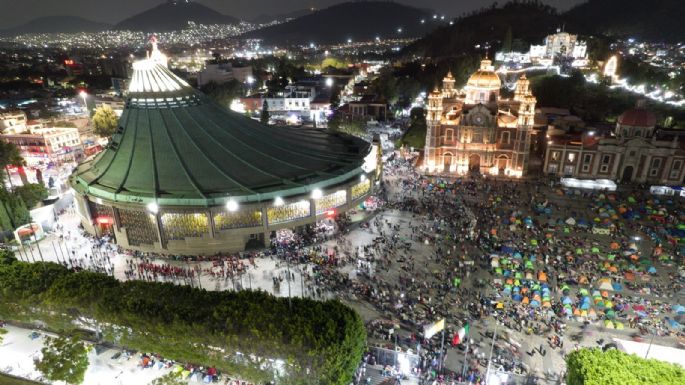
{"points": [[359, 20], [173, 16], [52, 24], [655, 20], [264, 18], [527, 22]]}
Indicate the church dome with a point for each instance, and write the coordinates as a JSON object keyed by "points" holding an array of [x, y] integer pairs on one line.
{"points": [[637, 117], [485, 77]]}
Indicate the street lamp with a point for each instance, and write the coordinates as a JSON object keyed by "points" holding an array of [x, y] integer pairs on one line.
{"points": [[152, 207], [83, 96], [329, 82], [232, 205]]}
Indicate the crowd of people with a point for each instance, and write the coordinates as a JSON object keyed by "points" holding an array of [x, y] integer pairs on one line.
{"points": [[534, 270]]}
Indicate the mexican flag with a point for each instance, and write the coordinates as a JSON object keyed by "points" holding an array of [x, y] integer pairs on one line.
{"points": [[459, 336]]}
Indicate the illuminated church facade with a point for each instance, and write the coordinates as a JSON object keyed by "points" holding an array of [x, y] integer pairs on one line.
{"points": [[474, 130]]}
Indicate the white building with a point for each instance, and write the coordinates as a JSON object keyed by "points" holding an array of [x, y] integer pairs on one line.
{"points": [[12, 122], [222, 73]]}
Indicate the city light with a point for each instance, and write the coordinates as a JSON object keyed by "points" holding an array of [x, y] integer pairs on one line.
{"points": [[317, 194], [278, 202], [329, 82], [152, 207], [232, 205]]}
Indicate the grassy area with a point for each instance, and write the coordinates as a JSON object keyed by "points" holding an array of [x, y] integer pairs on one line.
{"points": [[9, 380]]}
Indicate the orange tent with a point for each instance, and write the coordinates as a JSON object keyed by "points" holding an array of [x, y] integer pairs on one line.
{"points": [[613, 269], [614, 246], [576, 312], [629, 276], [542, 276], [493, 231], [525, 301], [605, 294], [583, 280]]}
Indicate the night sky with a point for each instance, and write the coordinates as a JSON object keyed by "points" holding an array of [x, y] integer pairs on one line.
{"points": [[15, 12]]}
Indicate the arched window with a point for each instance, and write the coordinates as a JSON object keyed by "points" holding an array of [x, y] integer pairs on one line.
{"points": [[625, 132], [638, 132]]}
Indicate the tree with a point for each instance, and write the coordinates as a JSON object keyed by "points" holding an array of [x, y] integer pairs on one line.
{"points": [[10, 156], [63, 359], [597, 367], [31, 193], [3, 331], [416, 134], [507, 43], [264, 116], [105, 121], [223, 93], [170, 379], [350, 127]]}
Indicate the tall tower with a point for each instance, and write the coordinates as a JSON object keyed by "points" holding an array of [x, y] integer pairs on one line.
{"points": [[448, 86], [524, 126], [434, 112]]}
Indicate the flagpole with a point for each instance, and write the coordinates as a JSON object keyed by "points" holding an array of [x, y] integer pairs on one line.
{"points": [[442, 348], [466, 353], [492, 347]]}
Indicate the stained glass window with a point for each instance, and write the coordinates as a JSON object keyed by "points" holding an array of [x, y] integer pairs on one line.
{"points": [[288, 212]]}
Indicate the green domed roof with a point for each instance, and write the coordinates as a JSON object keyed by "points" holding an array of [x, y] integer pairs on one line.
{"points": [[176, 147]]}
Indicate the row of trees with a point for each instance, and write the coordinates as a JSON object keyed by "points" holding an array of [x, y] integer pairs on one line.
{"points": [[319, 342], [612, 367]]}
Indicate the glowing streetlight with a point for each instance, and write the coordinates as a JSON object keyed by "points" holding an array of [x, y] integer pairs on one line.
{"points": [[329, 82], [317, 194], [152, 207], [278, 201], [83, 96], [232, 205], [363, 177], [349, 41], [250, 79]]}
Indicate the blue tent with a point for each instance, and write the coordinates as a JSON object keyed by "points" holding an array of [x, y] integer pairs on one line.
{"points": [[517, 297], [674, 324], [534, 303], [567, 301], [679, 309], [617, 286], [507, 250], [652, 270]]}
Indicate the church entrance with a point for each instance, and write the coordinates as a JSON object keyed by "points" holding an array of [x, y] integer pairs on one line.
{"points": [[474, 163], [501, 165], [447, 162], [627, 174]]}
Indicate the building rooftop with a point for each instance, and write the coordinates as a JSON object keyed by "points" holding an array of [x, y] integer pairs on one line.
{"points": [[174, 146]]}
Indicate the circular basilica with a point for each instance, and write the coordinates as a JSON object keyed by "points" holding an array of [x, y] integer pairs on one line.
{"points": [[183, 175]]}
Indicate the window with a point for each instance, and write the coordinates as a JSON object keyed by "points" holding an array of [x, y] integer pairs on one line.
{"points": [[587, 158], [606, 159], [656, 162], [553, 168], [638, 132], [449, 134], [586, 168], [604, 168], [632, 153], [505, 137], [571, 157], [555, 155], [568, 170], [675, 170]]}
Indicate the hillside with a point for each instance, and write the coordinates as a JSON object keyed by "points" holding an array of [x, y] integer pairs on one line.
{"points": [[528, 22], [173, 16], [51, 24], [657, 20], [360, 21], [268, 18]]}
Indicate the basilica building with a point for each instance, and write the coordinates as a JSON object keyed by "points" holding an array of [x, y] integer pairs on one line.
{"points": [[474, 130]]}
